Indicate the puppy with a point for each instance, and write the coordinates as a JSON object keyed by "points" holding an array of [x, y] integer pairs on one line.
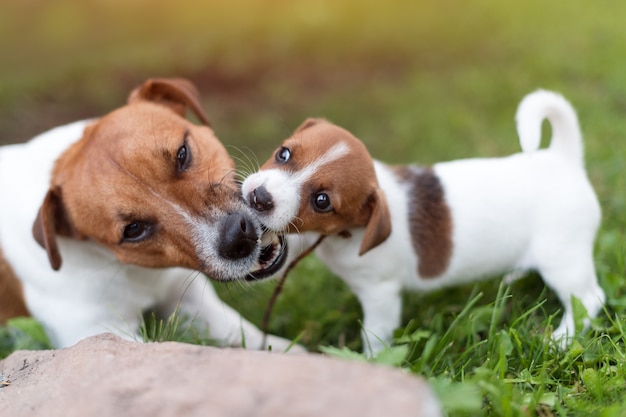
{"points": [[102, 219], [406, 227]]}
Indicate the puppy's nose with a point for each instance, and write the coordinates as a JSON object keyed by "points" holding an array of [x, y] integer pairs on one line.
{"points": [[239, 237], [260, 199]]}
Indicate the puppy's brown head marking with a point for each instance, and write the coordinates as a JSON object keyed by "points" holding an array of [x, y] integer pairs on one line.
{"points": [[429, 219], [142, 181], [335, 175]]}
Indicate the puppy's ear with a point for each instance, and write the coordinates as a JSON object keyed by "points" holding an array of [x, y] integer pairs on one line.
{"points": [[51, 220], [176, 93], [378, 226], [309, 123]]}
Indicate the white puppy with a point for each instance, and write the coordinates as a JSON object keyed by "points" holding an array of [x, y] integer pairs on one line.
{"points": [[391, 228]]}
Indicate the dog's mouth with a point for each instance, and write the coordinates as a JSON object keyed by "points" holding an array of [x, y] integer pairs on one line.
{"points": [[272, 257]]}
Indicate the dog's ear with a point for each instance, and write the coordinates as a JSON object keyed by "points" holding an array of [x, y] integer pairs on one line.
{"points": [[309, 123], [378, 226], [176, 93], [51, 220]]}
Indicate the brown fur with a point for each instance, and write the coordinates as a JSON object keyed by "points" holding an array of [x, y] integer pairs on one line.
{"points": [[135, 148], [358, 201], [430, 220], [11, 294], [352, 187]]}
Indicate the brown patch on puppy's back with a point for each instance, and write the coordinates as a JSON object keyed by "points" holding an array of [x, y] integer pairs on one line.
{"points": [[11, 295], [430, 221]]}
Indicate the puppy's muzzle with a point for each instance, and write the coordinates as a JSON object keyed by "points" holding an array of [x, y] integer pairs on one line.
{"points": [[260, 199], [239, 237]]}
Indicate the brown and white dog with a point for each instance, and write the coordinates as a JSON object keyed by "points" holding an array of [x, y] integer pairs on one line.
{"points": [[404, 227], [102, 219]]}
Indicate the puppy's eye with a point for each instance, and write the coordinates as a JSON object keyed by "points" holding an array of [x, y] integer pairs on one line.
{"points": [[183, 158], [321, 203], [283, 155], [137, 231]]}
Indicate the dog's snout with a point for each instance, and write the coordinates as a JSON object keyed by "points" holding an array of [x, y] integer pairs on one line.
{"points": [[239, 237], [260, 199]]}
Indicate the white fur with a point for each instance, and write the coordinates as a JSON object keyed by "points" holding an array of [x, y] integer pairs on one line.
{"points": [[285, 194], [534, 210], [286, 187], [93, 292]]}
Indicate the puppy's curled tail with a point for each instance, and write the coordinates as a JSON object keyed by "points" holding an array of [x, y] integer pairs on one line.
{"points": [[566, 135]]}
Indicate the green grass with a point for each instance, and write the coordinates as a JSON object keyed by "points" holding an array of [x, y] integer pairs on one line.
{"points": [[418, 81]]}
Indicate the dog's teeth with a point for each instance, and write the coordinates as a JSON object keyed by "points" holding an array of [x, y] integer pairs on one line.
{"points": [[267, 239]]}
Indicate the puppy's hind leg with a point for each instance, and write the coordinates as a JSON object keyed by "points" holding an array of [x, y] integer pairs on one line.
{"points": [[574, 276]]}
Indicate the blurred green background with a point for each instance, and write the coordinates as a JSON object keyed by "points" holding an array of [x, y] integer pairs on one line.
{"points": [[404, 75]]}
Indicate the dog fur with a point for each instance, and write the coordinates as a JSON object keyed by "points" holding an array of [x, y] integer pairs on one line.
{"points": [[391, 228], [102, 219]]}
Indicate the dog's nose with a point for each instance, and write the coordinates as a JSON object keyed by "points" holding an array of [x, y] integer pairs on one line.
{"points": [[239, 237], [260, 199]]}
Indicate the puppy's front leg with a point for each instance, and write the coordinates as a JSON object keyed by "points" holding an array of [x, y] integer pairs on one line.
{"points": [[382, 307]]}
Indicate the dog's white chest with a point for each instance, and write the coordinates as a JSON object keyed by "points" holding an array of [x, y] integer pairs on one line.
{"points": [[24, 179]]}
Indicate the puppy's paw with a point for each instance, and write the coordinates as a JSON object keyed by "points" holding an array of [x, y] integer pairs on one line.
{"points": [[514, 275]]}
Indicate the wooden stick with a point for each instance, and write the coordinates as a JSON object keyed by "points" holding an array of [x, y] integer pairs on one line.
{"points": [[281, 283]]}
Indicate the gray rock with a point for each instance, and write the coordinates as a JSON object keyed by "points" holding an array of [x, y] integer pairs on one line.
{"points": [[107, 376]]}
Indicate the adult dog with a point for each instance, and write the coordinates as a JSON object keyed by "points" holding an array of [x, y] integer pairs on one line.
{"points": [[102, 219]]}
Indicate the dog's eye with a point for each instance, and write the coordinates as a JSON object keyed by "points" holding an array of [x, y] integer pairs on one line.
{"points": [[283, 155], [183, 158], [137, 231], [321, 203]]}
